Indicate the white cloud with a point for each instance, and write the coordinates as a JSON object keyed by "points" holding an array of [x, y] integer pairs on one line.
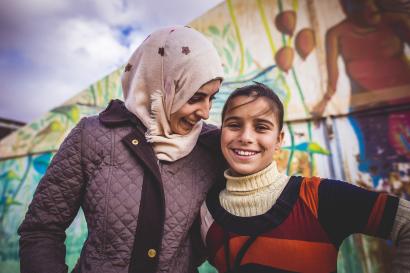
{"points": [[52, 49]]}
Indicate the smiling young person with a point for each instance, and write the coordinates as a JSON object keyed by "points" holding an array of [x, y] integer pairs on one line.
{"points": [[260, 220]]}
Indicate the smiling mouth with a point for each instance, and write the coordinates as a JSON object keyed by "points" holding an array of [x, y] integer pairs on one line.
{"points": [[189, 123], [244, 152]]}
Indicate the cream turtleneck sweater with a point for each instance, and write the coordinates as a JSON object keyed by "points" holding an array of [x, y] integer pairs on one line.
{"points": [[254, 194]]}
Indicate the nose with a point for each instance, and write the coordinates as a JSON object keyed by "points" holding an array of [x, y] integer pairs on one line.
{"points": [[203, 111], [245, 136]]}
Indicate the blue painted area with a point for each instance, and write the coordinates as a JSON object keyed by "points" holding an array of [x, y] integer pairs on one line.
{"points": [[41, 162], [309, 147], [363, 163]]}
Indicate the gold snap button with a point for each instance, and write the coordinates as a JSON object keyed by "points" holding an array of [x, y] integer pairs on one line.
{"points": [[152, 253], [135, 142]]}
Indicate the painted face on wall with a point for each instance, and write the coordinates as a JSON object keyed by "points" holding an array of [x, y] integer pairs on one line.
{"points": [[196, 109], [250, 135], [363, 12]]}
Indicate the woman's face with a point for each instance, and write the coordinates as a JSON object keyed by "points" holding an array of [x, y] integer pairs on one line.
{"points": [[250, 135], [197, 108]]}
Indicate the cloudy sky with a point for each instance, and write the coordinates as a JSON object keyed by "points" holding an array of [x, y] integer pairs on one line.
{"points": [[52, 49]]}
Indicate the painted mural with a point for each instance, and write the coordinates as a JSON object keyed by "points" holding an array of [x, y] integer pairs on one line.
{"points": [[342, 70]]}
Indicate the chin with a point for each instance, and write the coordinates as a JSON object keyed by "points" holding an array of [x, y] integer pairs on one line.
{"points": [[181, 131], [243, 171]]}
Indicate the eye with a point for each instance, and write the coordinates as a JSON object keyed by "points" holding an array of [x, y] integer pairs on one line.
{"points": [[194, 99], [232, 125], [212, 98], [261, 128]]}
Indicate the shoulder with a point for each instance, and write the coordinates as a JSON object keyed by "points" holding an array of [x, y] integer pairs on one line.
{"points": [[309, 193], [116, 114], [210, 137], [209, 130], [335, 29], [92, 124], [310, 186]]}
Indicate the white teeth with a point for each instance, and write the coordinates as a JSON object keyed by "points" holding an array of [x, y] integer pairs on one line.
{"points": [[244, 153], [190, 122]]}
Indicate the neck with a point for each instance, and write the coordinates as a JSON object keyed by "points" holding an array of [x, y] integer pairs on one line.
{"points": [[252, 194]]}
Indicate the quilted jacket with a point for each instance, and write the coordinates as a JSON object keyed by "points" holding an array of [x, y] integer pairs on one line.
{"points": [[141, 214]]}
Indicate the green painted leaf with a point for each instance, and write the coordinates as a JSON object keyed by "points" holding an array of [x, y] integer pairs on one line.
{"points": [[226, 28], [228, 57], [34, 126], [75, 114], [56, 126], [214, 30], [25, 136], [11, 201], [62, 109], [310, 147], [10, 175], [237, 61], [249, 58], [231, 44]]}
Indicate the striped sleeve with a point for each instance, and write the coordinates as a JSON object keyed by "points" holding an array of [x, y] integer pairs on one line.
{"points": [[345, 209]]}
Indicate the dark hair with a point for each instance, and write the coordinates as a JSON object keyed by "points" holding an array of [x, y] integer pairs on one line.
{"points": [[257, 90]]}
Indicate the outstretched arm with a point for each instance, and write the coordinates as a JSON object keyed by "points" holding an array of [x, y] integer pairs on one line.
{"points": [[345, 209]]}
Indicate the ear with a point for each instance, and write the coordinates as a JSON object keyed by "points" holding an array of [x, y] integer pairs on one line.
{"points": [[279, 141]]}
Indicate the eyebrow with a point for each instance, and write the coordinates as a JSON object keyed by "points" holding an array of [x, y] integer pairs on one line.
{"points": [[203, 94], [232, 118], [265, 121], [257, 120]]}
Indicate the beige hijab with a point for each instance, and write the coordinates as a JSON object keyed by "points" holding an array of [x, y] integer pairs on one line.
{"points": [[161, 76]]}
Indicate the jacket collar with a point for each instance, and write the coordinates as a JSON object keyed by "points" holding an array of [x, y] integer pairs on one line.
{"points": [[116, 114]]}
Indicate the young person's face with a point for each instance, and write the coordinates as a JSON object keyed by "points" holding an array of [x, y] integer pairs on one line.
{"points": [[250, 135], [197, 108]]}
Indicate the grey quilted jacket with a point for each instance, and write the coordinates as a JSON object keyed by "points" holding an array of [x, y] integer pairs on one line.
{"points": [[141, 214]]}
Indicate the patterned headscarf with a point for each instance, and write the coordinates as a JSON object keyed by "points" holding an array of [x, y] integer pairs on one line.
{"points": [[161, 76]]}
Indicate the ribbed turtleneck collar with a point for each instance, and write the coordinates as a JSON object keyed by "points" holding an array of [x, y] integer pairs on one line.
{"points": [[252, 194], [252, 182]]}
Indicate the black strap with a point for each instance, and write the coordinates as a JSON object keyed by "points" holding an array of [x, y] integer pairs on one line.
{"points": [[239, 256], [242, 252]]}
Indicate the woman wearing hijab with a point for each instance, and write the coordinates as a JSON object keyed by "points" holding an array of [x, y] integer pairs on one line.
{"points": [[139, 171]]}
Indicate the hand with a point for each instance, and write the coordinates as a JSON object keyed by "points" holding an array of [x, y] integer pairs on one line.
{"points": [[318, 109], [317, 112]]}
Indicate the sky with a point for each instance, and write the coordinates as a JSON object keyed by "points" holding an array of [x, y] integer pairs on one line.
{"points": [[50, 50]]}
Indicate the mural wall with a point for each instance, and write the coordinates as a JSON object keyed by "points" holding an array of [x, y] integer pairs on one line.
{"points": [[342, 70]]}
